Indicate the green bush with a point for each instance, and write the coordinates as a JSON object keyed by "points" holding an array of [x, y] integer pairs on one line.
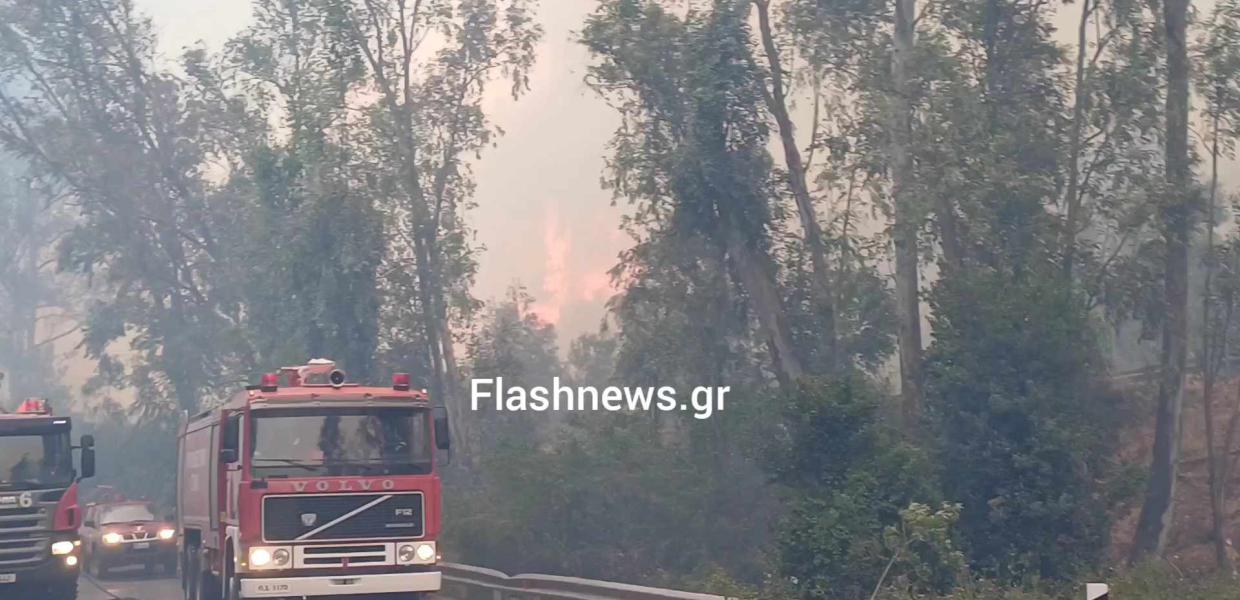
{"points": [[1024, 438], [848, 485]]}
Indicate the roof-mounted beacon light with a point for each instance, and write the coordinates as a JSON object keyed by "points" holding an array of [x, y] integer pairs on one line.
{"points": [[400, 381], [270, 382], [34, 406]]}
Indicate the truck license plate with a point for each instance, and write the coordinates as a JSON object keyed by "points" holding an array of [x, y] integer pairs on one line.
{"points": [[8, 577], [141, 545]]}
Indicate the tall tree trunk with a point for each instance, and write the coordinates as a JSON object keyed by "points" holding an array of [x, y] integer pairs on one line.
{"points": [[1072, 197], [949, 234], [397, 97], [1158, 509], [1213, 353], [755, 271], [907, 222], [1225, 463], [777, 103]]}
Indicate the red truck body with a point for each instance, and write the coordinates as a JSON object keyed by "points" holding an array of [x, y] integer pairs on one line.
{"points": [[39, 512], [310, 490]]}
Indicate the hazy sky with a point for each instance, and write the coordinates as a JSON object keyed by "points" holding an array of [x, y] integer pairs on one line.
{"points": [[542, 216]]}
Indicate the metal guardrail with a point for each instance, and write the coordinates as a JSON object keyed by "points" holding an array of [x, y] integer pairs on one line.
{"points": [[464, 582], [1150, 374]]}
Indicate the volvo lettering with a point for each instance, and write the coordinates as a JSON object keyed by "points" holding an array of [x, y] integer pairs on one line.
{"points": [[307, 485]]}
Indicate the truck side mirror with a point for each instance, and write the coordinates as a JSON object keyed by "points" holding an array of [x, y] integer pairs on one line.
{"points": [[228, 456], [88, 457], [443, 434]]}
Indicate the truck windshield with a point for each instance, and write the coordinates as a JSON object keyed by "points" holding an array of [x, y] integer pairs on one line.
{"points": [[31, 461], [340, 442], [127, 513]]}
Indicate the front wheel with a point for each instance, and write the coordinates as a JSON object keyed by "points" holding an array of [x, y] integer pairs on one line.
{"points": [[231, 589], [208, 584], [189, 567]]}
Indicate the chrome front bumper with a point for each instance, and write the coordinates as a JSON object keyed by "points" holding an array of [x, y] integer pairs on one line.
{"points": [[386, 583]]}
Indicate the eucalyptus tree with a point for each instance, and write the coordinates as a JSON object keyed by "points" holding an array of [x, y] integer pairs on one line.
{"points": [[427, 65], [797, 169], [1115, 123], [691, 156], [82, 101], [1177, 217], [36, 307], [314, 238], [1219, 53]]}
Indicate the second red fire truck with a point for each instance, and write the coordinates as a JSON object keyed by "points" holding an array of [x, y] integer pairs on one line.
{"points": [[306, 485], [39, 514]]}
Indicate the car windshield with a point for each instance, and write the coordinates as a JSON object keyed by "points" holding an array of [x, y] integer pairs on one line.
{"points": [[127, 513], [373, 441], [35, 460]]}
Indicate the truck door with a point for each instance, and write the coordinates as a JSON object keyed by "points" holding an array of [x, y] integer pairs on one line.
{"points": [[213, 487], [232, 467]]}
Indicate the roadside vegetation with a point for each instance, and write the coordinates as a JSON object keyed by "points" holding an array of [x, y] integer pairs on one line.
{"points": [[918, 239]]}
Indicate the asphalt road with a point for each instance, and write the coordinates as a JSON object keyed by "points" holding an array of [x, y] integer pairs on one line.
{"points": [[129, 585], [133, 585]]}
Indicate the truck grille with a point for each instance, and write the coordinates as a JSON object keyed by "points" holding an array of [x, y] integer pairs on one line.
{"points": [[24, 531], [343, 556], [343, 517]]}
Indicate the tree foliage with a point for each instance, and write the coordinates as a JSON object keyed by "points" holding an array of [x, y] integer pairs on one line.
{"points": [[1017, 415], [803, 182]]}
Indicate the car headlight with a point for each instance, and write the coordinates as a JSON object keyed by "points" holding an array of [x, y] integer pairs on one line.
{"points": [[112, 538], [63, 547], [269, 558], [416, 553], [167, 534]]}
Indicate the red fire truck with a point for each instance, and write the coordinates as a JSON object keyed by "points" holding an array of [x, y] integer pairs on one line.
{"points": [[39, 515], [306, 485]]}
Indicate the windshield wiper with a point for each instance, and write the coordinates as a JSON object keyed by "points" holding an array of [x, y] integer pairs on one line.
{"points": [[293, 462], [28, 485]]}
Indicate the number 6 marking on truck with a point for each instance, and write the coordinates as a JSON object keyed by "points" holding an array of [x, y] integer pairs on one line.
{"points": [[26, 500]]}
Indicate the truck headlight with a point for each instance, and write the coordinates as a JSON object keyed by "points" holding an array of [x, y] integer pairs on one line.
{"points": [[416, 553], [260, 557], [269, 558], [112, 538], [167, 534], [62, 547]]}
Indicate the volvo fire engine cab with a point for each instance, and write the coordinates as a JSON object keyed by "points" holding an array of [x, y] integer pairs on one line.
{"points": [[307, 485], [39, 514]]}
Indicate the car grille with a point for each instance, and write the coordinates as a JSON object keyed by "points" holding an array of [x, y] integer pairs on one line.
{"points": [[343, 517], [24, 531], [139, 536]]}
